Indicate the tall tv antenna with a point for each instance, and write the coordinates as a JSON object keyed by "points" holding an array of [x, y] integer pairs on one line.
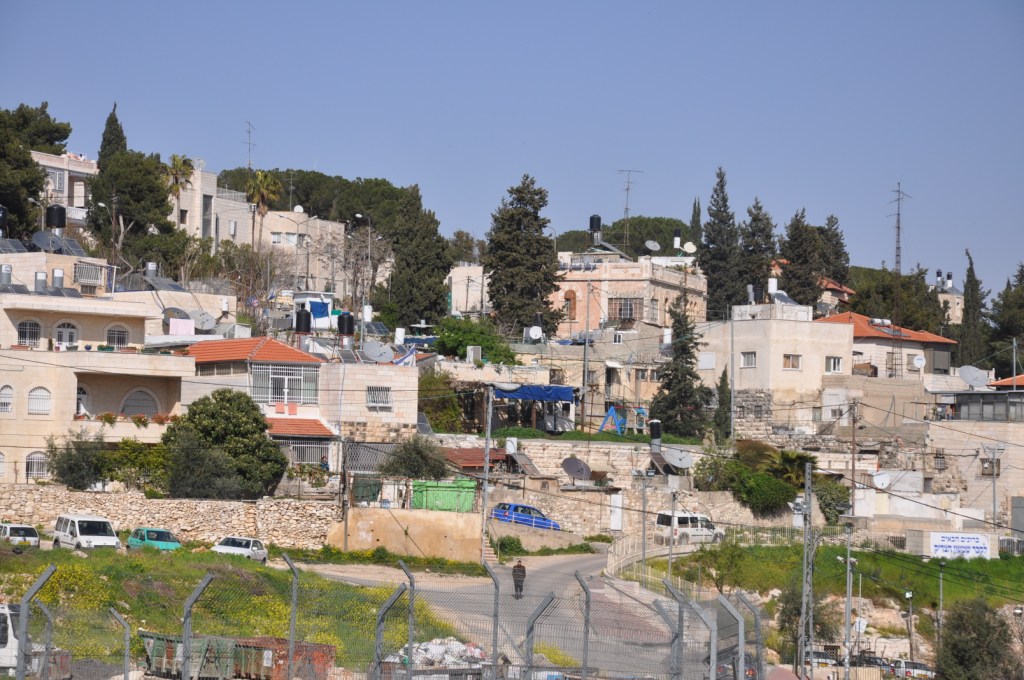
{"points": [[625, 213], [896, 367], [249, 129]]}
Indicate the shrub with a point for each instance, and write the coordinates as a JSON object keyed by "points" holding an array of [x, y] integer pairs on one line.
{"points": [[764, 494], [418, 458], [831, 495], [510, 546], [77, 460]]}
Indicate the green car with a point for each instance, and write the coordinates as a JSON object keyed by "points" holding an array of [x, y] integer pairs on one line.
{"points": [[144, 537]]}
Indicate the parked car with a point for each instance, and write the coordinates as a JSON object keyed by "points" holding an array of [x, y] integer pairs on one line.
{"points": [[19, 534], [902, 668], [727, 667], [684, 527], [517, 513], [819, 659], [240, 545], [148, 537], [869, 661], [84, 531]]}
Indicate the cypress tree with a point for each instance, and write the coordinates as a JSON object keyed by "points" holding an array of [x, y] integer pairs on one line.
{"points": [[801, 248], [719, 254], [113, 141], [757, 244], [682, 401], [973, 329], [835, 260], [1008, 324], [696, 232], [723, 411]]}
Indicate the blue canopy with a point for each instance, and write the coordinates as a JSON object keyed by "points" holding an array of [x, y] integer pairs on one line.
{"points": [[538, 393]]}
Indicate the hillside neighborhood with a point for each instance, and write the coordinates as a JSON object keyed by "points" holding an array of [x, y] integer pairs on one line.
{"points": [[225, 362]]}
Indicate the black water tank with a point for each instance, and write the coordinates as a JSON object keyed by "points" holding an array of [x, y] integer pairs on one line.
{"points": [[595, 223], [303, 320], [346, 323], [3, 217], [538, 319], [654, 427], [56, 217]]}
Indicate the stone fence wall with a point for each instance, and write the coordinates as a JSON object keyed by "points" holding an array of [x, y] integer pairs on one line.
{"points": [[283, 522]]}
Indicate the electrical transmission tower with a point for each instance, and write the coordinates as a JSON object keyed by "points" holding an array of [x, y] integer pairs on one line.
{"points": [[896, 365]]}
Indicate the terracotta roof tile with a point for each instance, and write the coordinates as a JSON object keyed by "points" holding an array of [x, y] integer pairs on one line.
{"points": [[863, 328], [1008, 382], [473, 458], [298, 427], [249, 349]]}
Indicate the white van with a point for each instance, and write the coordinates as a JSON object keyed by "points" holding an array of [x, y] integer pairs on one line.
{"points": [[84, 531], [684, 527]]}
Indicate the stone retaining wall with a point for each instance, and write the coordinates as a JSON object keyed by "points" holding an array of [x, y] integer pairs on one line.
{"points": [[284, 522]]}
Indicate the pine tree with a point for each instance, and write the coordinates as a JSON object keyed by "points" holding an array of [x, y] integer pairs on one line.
{"points": [[973, 328], [723, 411], [835, 260], [719, 254], [801, 248], [696, 231], [682, 401], [757, 243], [113, 141], [521, 264], [1008, 324]]}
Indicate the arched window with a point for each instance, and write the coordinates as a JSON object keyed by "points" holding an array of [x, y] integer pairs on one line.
{"points": [[39, 402], [140, 402], [81, 401], [35, 466], [66, 333], [29, 333], [117, 336], [6, 399], [569, 305]]}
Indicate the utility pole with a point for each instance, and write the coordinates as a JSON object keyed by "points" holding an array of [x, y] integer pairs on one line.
{"points": [[993, 451], [732, 374], [854, 417], [671, 534], [586, 359], [805, 640], [910, 620], [942, 565], [849, 602]]}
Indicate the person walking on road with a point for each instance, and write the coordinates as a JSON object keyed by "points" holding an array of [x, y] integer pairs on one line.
{"points": [[518, 578]]}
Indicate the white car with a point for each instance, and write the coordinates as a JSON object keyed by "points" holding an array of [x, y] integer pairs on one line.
{"points": [[19, 534], [240, 545]]}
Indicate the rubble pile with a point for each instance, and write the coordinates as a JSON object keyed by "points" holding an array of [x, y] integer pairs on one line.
{"points": [[441, 652]]}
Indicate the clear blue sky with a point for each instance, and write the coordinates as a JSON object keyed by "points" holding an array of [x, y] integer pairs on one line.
{"points": [[822, 105]]}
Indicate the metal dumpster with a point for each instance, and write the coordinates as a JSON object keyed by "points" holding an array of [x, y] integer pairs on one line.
{"points": [[266, 658], [212, 657]]}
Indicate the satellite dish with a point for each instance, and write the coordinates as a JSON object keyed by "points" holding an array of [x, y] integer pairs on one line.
{"points": [[881, 480], [378, 351], [506, 386], [653, 245], [975, 377], [299, 209], [689, 248], [46, 241], [677, 456], [204, 321], [919, 362], [535, 332], [576, 468], [174, 313]]}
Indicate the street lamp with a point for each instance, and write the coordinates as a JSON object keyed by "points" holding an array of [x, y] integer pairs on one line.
{"points": [[910, 620], [942, 565]]}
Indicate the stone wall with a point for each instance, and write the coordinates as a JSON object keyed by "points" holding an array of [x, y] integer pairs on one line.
{"points": [[283, 522], [752, 414], [422, 533]]}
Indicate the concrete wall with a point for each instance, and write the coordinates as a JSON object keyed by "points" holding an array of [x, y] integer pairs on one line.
{"points": [[533, 539], [425, 533]]}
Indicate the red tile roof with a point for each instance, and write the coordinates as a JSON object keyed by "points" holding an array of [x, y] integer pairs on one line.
{"points": [[473, 458], [832, 284], [1008, 382], [249, 349], [298, 427], [863, 328]]}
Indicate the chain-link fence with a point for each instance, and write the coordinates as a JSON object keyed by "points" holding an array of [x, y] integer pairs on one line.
{"points": [[334, 622]]}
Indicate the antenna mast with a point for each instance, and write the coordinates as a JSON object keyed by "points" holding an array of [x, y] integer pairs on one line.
{"points": [[896, 367], [625, 213], [249, 129]]}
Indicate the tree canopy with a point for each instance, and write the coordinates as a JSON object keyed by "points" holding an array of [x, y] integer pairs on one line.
{"points": [[976, 643], [113, 141], [418, 458], [682, 402], [719, 254], [454, 335], [1008, 324], [23, 130], [973, 336], [920, 307], [757, 245], [801, 249]]}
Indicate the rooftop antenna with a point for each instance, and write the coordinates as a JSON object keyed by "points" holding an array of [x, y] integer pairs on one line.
{"points": [[249, 129], [291, 187], [896, 369], [625, 213]]}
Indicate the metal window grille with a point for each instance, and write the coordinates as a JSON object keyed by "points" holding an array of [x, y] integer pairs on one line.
{"points": [[748, 360], [35, 466], [6, 399], [117, 336], [625, 308], [273, 383], [89, 274], [305, 451], [140, 403], [29, 333], [378, 398], [39, 401]]}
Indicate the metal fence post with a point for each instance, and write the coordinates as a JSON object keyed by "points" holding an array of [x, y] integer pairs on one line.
{"points": [[26, 600], [741, 636], [531, 625], [676, 655], [412, 612], [291, 618], [494, 621], [712, 627], [586, 625], [378, 646], [186, 632], [47, 641], [127, 641], [680, 622], [758, 634]]}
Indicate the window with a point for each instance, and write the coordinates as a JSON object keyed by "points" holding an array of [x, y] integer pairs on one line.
{"points": [[232, 227], [81, 401], [617, 339], [910, 363], [273, 383], [140, 402], [706, 361], [791, 361], [35, 466], [66, 333], [89, 274], [6, 399], [758, 411], [183, 216], [748, 359], [833, 364], [569, 305], [655, 376], [816, 414], [378, 398], [641, 374], [29, 333], [275, 238], [624, 308], [39, 402], [652, 311], [117, 336]]}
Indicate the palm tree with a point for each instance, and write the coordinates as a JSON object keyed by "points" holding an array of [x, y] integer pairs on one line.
{"points": [[178, 174], [262, 189], [789, 466]]}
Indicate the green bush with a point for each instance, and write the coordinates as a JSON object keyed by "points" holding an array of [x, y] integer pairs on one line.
{"points": [[765, 495], [599, 538], [510, 546], [831, 495]]}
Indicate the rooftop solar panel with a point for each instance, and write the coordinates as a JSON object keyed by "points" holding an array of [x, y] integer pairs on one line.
{"points": [[17, 245], [5, 247], [71, 247]]}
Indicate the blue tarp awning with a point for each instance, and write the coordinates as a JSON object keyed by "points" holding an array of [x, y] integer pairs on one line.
{"points": [[538, 393]]}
